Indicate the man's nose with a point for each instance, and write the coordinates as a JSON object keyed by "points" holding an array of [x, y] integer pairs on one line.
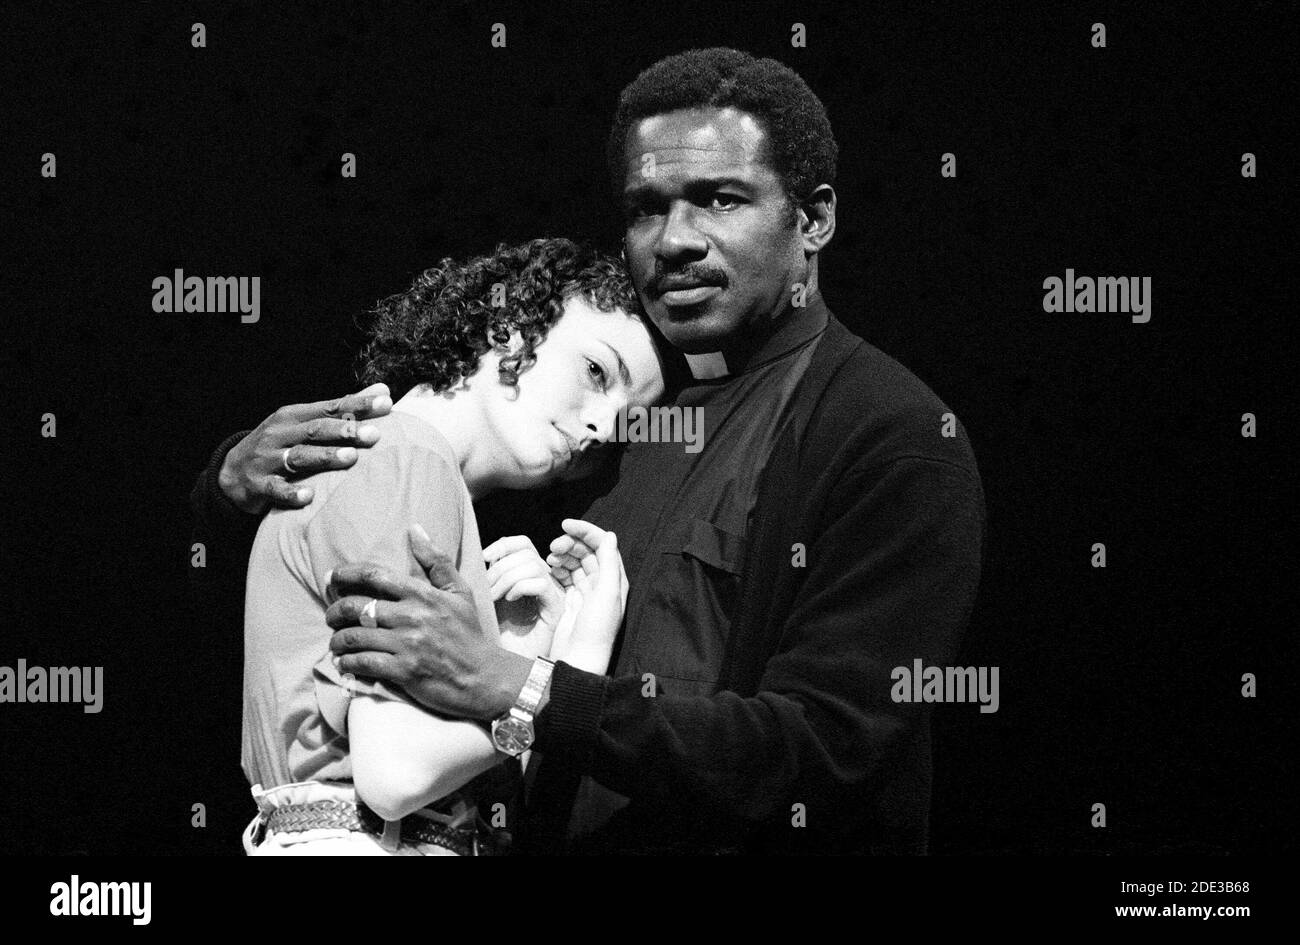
{"points": [[679, 238]]}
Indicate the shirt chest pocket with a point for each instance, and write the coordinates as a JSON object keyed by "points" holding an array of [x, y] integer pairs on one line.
{"points": [[714, 547], [684, 625]]}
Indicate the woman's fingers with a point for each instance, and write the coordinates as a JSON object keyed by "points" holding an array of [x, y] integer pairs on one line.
{"points": [[604, 570], [595, 627], [511, 544], [568, 552], [566, 545], [507, 577], [513, 562], [506, 562], [568, 561], [575, 552], [585, 532], [522, 573], [609, 564], [529, 587]]}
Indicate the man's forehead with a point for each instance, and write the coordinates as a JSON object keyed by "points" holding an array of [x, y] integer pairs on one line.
{"points": [[699, 135]]}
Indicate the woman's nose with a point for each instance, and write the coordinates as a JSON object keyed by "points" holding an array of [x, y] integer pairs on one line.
{"points": [[601, 422]]}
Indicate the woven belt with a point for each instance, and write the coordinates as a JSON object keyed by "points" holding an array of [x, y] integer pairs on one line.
{"points": [[345, 815]]}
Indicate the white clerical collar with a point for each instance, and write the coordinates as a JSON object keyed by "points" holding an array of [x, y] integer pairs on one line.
{"points": [[705, 367]]}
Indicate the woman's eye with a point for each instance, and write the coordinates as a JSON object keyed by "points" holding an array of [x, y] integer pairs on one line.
{"points": [[596, 372]]}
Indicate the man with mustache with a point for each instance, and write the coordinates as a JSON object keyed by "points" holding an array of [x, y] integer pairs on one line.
{"points": [[827, 532]]}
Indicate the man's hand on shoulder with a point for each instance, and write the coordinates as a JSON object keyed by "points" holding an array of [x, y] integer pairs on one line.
{"points": [[422, 634], [296, 441]]}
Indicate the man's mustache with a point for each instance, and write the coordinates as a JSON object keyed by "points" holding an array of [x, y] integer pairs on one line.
{"points": [[691, 276]]}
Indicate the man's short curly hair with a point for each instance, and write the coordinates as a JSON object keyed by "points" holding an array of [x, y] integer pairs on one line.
{"points": [[435, 332], [803, 148]]}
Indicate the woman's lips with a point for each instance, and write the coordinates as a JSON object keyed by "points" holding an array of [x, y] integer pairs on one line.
{"points": [[570, 451]]}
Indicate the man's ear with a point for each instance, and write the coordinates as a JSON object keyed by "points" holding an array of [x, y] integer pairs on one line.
{"points": [[817, 218]]}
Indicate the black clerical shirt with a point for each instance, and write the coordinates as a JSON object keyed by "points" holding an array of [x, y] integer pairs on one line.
{"points": [[682, 518]]}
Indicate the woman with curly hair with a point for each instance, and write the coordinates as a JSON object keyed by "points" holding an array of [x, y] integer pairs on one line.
{"points": [[507, 370]]}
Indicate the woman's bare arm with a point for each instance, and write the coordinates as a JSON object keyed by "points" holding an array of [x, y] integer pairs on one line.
{"points": [[405, 757]]}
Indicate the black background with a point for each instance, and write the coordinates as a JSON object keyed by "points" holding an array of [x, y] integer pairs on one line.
{"points": [[1119, 686]]}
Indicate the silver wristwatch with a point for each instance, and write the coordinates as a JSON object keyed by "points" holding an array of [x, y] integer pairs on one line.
{"points": [[513, 732]]}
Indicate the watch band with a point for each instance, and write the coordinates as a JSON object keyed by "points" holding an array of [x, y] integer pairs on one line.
{"points": [[538, 678]]}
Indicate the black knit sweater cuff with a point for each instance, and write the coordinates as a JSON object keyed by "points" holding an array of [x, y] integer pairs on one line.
{"points": [[570, 724], [210, 504]]}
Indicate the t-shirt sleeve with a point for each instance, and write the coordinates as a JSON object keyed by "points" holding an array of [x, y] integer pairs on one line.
{"points": [[365, 520]]}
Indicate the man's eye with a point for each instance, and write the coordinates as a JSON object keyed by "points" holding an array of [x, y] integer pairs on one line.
{"points": [[724, 201]]}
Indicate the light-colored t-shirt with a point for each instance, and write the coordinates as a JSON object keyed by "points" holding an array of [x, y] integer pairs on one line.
{"points": [[295, 700]]}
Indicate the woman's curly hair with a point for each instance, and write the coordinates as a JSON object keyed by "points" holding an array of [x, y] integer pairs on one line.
{"points": [[436, 331]]}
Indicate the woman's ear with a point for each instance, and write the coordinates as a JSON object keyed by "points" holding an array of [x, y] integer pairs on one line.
{"points": [[505, 344], [504, 341]]}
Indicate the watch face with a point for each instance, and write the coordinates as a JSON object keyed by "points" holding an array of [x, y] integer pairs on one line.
{"points": [[512, 735]]}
